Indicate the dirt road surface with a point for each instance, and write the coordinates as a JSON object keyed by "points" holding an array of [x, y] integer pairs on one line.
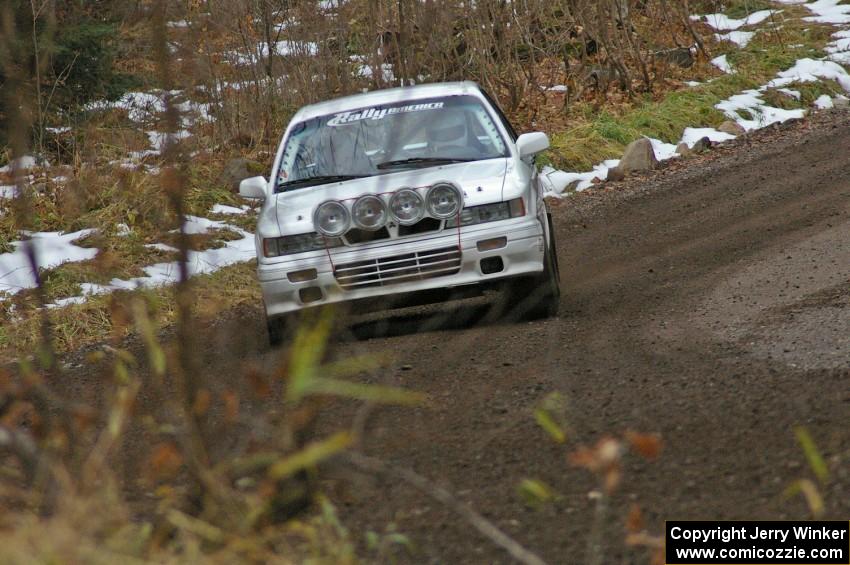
{"points": [[708, 302]]}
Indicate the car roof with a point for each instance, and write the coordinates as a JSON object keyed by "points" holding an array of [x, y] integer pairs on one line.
{"points": [[386, 96]]}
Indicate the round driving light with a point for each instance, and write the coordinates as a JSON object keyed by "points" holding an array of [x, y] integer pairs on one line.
{"points": [[444, 201], [407, 207], [369, 213], [332, 218]]}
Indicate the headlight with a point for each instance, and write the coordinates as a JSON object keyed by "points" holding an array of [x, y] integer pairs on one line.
{"points": [[489, 213], [332, 218], [290, 244], [369, 213], [444, 201], [407, 207]]}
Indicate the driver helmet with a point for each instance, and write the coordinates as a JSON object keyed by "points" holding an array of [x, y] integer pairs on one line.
{"points": [[448, 128]]}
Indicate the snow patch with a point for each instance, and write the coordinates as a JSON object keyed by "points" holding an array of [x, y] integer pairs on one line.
{"points": [[691, 135], [284, 48], [722, 22], [387, 74], [556, 179], [723, 64], [159, 140], [740, 38], [811, 70], [839, 50], [194, 225], [829, 12], [162, 247], [142, 106], [824, 102], [139, 105], [750, 103], [225, 209], [162, 274], [663, 151], [24, 163], [51, 250]]}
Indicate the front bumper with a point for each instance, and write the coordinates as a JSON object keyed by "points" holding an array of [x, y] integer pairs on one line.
{"points": [[523, 254]]}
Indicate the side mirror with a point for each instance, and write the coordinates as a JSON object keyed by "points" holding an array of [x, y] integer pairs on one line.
{"points": [[529, 144], [254, 187]]}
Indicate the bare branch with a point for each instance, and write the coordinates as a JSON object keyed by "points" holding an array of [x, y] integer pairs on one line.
{"points": [[484, 526]]}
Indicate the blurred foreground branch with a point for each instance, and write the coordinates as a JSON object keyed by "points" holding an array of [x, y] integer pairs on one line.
{"points": [[484, 526]]}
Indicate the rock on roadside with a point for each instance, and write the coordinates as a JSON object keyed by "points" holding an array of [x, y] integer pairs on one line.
{"points": [[615, 174], [702, 144], [638, 157], [732, 128]]}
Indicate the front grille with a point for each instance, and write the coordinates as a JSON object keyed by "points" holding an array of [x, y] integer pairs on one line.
{"points": [[355, 235], [399, 268], [424, 225]]}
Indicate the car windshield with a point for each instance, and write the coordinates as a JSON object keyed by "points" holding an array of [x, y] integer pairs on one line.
{"points": [[381, 139]]}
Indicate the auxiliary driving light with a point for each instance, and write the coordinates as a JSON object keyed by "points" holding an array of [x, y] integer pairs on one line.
{"points": [[407, 207], [369, 213], [444, 200], [332, 218]]}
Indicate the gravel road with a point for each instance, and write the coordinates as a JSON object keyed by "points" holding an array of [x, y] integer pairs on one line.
{"points": [[707, 302]]}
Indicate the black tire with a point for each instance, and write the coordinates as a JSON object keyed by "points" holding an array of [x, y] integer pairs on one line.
{"points": [[280, 329], [536, 297], [547, 290], [554, 248]]}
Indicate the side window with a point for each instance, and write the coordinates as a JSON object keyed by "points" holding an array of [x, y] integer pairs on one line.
{"points": [[501, 114]]}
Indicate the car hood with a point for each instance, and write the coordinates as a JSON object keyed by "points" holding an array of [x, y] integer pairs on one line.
{"points": [[481, 181]]}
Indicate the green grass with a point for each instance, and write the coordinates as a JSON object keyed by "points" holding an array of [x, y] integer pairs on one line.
{"points": [[599, 135], [606, 135], [740, 9], [809, 92]]}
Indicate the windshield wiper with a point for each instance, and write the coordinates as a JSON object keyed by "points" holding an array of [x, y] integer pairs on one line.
{"points": [[317, 180], [422, 161]]}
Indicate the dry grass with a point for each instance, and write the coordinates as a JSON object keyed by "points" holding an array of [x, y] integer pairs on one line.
{"points": [[78, 325], [98, 529], [104, 197]]}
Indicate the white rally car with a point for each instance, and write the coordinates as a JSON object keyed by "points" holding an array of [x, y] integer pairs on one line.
{"points": [[399, 191]]}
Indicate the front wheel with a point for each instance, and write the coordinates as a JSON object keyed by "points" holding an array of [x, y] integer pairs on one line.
{"points": [[537, 297], [280, 329]]}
